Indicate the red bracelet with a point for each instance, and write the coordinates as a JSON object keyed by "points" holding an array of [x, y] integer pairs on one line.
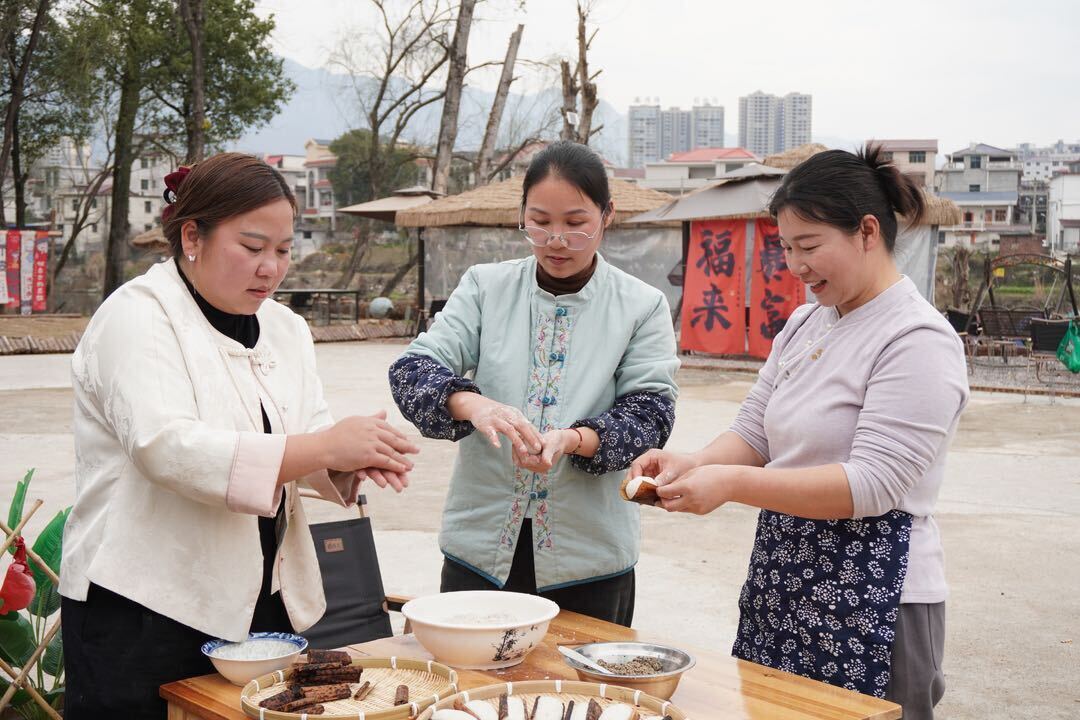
{"points": [[580, 441]]}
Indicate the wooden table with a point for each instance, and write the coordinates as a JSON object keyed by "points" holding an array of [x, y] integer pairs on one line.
{"points": [[303, 295], [719, 687]]}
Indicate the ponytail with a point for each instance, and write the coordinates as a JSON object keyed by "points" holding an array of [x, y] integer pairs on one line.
{"points": [[903, 193]]}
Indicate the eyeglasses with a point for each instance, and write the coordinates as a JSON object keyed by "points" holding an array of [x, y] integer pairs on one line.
{"points": [[539, 237]]}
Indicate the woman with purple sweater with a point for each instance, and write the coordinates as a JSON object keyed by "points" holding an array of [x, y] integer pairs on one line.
{"points": [[841, 443]]}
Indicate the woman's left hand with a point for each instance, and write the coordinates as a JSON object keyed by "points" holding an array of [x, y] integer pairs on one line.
{"points": [[554, 444], [699, 491]]}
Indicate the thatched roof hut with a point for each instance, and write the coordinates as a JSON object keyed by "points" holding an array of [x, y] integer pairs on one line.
{"points": [[790, 158], [499, 205], [940, 211], [480, 226], [153, 240]]}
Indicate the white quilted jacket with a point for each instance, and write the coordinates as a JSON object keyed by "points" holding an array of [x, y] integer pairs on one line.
{"points": [[172, 465]]}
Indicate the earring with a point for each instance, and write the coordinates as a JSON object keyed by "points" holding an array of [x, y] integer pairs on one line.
{"points": [[191, 258]]}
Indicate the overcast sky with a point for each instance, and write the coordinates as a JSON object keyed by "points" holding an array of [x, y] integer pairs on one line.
{"points": [[994, 71]]}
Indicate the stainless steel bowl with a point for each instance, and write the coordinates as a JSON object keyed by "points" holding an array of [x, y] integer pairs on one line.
{"points": [[662, 685]]}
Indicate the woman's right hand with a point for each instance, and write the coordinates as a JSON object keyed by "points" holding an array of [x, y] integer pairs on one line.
{"points": [[367, 441], [493, 419], [663, 466]]}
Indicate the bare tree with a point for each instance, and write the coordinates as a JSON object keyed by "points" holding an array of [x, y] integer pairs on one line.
{"points": [[491, 132], [455, 78], [392, 73], [86, 180], [193, 14], [86, 176], [577, 123], [17, 67], [961, 263]]}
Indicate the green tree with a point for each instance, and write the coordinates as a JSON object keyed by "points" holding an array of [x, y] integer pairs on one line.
{"points": [[146, 63], [353, 183], [246, 84], [351, 177]]}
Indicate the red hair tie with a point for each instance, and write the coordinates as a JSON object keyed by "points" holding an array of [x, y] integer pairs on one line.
{"points": [[172, 185]]}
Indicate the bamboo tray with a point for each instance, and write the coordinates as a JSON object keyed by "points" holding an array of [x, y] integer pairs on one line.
{"points": [[565, 690], [428, 681]]}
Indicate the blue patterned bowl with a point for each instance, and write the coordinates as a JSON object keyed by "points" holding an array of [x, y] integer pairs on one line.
{"points": [[262, 653]]}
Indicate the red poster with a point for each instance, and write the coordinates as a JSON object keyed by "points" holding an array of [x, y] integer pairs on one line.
{"points": [[774, 291], [41, 265], [713, 311], [13, 248]]}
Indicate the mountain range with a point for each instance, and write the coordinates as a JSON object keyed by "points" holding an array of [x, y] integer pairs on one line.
{"points": [[324, 106]]}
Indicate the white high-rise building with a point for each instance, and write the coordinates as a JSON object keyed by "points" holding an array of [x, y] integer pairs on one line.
{"points": [[769, 124], [674, 131], [707, 126], [759, 114], [656, 134], [796, 125], [644, 135]]}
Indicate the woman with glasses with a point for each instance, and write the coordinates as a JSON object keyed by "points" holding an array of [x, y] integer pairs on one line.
{"points": [[554, 372]]}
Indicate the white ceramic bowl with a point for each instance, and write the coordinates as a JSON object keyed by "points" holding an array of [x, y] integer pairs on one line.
{"points": [[480, 629], [242, 671]]}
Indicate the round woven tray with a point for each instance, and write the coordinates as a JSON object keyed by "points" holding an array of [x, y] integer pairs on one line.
{"points": [[428, 681], [564, 690]]}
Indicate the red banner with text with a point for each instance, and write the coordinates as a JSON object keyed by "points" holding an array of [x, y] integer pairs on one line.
{"points": [[41, 268], [774, 291], [713, 308]]}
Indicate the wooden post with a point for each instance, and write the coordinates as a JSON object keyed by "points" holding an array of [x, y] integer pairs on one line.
{"points": [[682, 284], [1069, 285], [420, 293]]}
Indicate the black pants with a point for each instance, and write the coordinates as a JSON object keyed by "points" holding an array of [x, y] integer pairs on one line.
{"points": [[117, 653], [611, 599]]}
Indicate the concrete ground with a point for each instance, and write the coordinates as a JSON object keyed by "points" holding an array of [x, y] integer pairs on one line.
{"points": [[1009, 513]]}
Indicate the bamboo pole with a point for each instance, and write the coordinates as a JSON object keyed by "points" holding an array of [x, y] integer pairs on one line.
{"points": [[33, 693], [38, 652], [18, 528]]}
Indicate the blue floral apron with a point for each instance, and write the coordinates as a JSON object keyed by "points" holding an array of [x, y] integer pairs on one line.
{"points": [[821, 597]]}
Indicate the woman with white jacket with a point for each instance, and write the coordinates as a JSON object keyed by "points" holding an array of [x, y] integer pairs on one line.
{"points": [[197, 409]]}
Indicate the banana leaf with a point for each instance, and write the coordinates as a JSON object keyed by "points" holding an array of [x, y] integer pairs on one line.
{"points": [[15, 511], [49, 547], [52, 661], [17, 642]]}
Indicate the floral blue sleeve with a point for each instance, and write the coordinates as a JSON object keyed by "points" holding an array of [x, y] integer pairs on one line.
{"points": [[638, 422], [421, 387]]}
